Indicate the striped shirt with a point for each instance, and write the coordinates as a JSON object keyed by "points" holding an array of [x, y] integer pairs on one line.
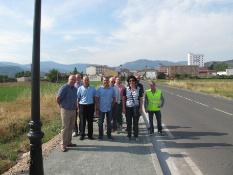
{"points": [[132, 96]]}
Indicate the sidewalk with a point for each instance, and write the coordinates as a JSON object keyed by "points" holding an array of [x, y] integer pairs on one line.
{"points": [[95, 157]]}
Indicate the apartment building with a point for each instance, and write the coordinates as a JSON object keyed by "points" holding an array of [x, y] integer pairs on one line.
{"points": [[196, 59]]}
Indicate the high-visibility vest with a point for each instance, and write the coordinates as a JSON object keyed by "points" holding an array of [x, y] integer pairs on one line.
{"points": [[153, 100]]}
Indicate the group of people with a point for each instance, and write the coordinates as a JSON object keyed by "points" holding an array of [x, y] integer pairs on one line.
{"points": [[77, 99]]}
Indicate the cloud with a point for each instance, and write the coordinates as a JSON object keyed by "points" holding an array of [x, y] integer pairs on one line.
{"points": [[71, 35], [13, 38], [171, 29], [47, 23], [73, 32]]}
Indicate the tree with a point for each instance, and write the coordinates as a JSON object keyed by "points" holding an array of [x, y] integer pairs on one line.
{"points": [[218, 66], [5, 78], [53, 75], [23, 74], [75, 71], [161, 75]]}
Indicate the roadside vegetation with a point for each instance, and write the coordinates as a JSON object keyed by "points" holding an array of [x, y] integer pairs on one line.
{"points": [[15, 113], [220, 87]]}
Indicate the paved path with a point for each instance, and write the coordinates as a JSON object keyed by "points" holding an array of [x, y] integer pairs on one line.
{"points": [[94, 157]]}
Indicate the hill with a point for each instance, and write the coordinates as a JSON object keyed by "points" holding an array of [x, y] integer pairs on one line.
{"points": [[144, 63], [8, 70], [228, 62]]}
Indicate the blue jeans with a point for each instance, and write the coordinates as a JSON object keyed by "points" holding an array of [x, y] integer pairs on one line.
{"points": [[109, 123]]}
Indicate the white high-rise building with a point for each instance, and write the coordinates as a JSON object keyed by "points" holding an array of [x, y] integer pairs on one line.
{"points": [[196, 59]]}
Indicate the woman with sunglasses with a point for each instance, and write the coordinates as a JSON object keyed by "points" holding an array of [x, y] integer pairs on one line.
{"points": [[132, 105]]}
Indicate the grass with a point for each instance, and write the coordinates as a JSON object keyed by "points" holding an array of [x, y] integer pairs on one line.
{"points": [[15, 112], [211, 86], [11, 91]]}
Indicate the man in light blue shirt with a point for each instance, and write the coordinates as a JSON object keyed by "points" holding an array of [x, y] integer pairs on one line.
{"points": [[86, 100], [105, 98]]}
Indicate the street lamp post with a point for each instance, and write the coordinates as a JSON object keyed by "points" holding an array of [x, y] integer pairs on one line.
{"points": [[35, 134]]}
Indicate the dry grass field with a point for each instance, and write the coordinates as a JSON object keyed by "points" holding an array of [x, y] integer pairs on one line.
{"points": [[212, 86], [15, 112]]}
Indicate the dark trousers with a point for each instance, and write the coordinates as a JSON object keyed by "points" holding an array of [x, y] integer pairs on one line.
{"points": [[158, 118], [114, 116], [119, 117], [132, 113], [109, 123], [86, 113], [76, 126]]}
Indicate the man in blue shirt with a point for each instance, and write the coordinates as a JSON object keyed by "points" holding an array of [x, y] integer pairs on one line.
{"points": [[86, 100], [67, 100], [105, 98]]}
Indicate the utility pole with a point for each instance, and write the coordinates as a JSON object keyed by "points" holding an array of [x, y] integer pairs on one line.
{"points": [[35, 134]]}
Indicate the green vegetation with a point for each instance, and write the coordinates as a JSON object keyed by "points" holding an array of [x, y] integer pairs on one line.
{"points": [[95, 83], [53, 75], [23, 74], [11, 91], [15, 114], [5, 78], [218, 66]]}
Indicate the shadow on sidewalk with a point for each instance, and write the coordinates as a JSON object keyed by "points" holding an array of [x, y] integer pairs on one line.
{"points": [[139, 149]]}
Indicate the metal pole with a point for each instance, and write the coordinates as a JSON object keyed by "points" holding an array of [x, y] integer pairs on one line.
{"points": [[35, 135]]}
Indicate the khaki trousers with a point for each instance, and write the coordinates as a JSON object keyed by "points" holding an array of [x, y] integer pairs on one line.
{"points": [[68, 119]]}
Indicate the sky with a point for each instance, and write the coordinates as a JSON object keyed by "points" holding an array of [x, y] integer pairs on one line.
{"points": [[113, 32]]}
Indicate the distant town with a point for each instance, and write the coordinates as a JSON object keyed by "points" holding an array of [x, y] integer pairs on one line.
{"points": [[195, 67]]}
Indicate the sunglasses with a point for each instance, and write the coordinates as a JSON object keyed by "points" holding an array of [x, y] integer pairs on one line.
{"points": [[131, 80]]}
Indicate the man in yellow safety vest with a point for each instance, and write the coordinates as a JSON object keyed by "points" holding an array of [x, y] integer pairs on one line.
{"points": [[153, 102]]}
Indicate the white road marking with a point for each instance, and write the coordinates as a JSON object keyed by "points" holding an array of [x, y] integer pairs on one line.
{"points": [[179, 96], [187, 159], [168, 131], [171, 162], [201, 103], [222, 111], [191, 164], [188, 99], [204, 104], [153, 154]]}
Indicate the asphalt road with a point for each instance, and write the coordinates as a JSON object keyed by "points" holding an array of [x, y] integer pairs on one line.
{"points": [[199, 134]]}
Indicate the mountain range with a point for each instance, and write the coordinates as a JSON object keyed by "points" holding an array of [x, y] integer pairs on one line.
{"points": [[10, 68]]}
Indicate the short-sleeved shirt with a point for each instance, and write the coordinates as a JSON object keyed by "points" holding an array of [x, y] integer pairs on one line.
{"points": [[106, 96], [121, 90], [132, 97], [68, 97], [78, 84], [117, 93], [86, 95]]}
